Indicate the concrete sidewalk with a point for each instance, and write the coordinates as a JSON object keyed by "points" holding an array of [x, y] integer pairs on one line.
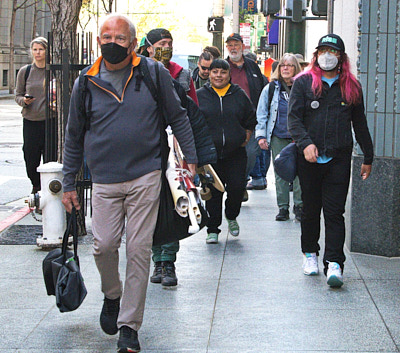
{"points": [[245, 294]]}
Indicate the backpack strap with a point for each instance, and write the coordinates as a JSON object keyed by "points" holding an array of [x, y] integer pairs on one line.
{"points": [[27, 72], [153, 88], [271, 89], [82, 93], [146, 77]]}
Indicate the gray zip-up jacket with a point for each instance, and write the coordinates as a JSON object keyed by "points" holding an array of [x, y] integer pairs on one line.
{"points": [[123, 142]]}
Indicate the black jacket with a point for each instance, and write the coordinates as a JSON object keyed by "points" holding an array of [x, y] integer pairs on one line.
{"points": [[327, 121], [205, 149], [255, 79], [228, 117]]}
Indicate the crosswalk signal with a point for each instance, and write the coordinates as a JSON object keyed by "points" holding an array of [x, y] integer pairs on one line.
{"points": [[319, 7], [270, 7]]}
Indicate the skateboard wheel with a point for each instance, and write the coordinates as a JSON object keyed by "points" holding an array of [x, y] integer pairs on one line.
{"points": [[205, 194]]}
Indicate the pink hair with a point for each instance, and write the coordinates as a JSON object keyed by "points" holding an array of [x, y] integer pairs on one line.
{"points": [[349, 86]]}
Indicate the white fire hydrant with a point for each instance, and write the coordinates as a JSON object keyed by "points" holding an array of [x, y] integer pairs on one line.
{"points": [[48, 199]]}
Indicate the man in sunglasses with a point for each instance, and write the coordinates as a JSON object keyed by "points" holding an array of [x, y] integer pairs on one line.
{"points": [[202, 72]]}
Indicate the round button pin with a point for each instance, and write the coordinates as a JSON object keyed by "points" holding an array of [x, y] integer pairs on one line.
{"points": [[314, 104]]}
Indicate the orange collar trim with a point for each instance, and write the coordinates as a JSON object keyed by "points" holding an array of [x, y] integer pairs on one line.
{"points": [[95, 69]]}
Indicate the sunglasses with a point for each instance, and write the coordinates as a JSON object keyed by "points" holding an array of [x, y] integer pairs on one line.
{"points": [[205, 68]]}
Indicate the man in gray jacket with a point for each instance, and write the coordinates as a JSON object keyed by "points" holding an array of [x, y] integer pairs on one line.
{"points": [[122, 149]]}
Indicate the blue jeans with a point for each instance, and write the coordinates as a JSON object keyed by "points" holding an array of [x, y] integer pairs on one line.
{"points": [[261, 167]]}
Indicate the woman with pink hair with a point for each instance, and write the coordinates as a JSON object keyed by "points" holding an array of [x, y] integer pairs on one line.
{"points": [[326, 102]]}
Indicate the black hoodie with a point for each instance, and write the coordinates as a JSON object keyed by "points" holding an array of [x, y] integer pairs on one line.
{"points": [[227, 117]]}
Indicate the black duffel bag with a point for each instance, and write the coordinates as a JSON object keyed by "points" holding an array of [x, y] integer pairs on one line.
{"points": [[61, 272]]}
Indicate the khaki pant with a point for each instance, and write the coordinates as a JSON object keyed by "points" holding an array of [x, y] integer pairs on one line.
{"points": [[138, 201]]}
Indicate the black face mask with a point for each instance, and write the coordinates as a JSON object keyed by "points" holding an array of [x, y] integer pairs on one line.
{"points": [[113, 52]]}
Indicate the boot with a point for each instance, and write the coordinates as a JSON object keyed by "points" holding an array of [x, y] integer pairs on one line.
{"points": [[156, 278], [168, 278]]}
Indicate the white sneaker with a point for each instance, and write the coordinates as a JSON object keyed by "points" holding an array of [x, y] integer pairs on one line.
{"points": [[334, 275], [310, 264]]}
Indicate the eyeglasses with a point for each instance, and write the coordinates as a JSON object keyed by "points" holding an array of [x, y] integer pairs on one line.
{"points": [[205, 68], [329, 49], [286, 66]]}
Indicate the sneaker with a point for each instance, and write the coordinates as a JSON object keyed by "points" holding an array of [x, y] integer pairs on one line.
{"points": [[109, 316], [212, 238], [156, 277], [334, 275], [283, 215], [168, 277], [310, 264], [233, 227], [297, 210], [128, 341], [245, 196]]}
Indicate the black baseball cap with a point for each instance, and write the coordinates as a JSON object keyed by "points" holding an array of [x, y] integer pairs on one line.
{"points": [[333, 41], [234, 36]]}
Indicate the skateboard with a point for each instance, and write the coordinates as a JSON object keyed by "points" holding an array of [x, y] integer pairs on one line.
{"points": [[208, 177]]}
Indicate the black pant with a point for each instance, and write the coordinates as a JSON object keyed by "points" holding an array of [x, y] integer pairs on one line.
{"points": [[324, 186], [34, 140], [232, 172]]}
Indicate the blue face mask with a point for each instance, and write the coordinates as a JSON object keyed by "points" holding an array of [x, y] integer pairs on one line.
{"points": [[113, 52]]}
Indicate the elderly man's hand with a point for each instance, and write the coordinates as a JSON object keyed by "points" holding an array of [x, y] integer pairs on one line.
{"points": [[70, 198]]}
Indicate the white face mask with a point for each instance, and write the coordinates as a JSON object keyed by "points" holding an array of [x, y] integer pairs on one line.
{"points": [[327, 61]]}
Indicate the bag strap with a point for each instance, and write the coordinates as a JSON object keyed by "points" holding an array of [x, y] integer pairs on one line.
{"points": [[271, 89], [155, 92], [71, 228], [27, 72]]}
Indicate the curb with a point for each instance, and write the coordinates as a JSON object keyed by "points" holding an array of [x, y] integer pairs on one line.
{"points": [[7, 96]]}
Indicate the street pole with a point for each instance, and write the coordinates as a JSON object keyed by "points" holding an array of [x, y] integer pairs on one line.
{"points": [[218, 11], [235, 12], [330, 10]]}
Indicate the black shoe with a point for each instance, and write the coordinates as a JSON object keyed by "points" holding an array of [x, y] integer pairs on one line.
{"points": [[168, 278], [156, 278], [109, 316], [283, 215], [128, 341], [297, 210], [245, 196]]}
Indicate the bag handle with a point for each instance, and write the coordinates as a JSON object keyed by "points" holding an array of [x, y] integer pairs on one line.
{"points": [[71, 227]]}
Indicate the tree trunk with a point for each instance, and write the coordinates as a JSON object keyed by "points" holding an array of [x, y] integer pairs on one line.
{"points": [[11, 71]]}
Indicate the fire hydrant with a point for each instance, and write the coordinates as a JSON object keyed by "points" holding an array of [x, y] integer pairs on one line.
{"points": [[48, 199]]}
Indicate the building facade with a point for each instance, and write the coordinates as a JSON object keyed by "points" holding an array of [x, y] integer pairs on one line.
{"points": [[24, 27]]}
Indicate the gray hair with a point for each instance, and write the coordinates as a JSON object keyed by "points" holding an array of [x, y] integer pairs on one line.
{"points": [[39, 40], [291, 59], [132, 28]]}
